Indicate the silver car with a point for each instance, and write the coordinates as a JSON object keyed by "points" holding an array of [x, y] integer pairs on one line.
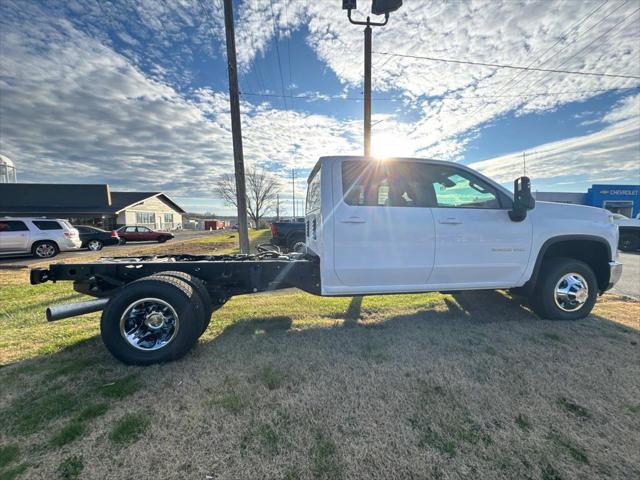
{"points": [[41, 237]]}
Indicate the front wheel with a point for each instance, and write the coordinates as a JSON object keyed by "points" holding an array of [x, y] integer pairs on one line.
{"points": [[95, 245], [566, 290]]}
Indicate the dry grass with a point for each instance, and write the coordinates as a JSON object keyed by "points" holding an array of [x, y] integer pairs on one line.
{"points": [[287, 385]]}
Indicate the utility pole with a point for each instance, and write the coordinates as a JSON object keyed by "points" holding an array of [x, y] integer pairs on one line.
{"points": [[293, 185], [378, 7], [236, 131], [277, 207], [524, 163], [367, 87]]}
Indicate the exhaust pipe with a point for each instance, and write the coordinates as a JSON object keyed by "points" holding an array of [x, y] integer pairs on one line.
{"points": [[60, 312]]}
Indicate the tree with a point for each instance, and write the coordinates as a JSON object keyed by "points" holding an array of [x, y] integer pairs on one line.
{"points": [[262, 189]]}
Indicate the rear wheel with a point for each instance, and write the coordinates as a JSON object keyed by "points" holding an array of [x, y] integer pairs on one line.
{"points": [[566, 290], [151, 320], [45, 249], [201, 289], [95, 245], [293, 241], [123, 241]]}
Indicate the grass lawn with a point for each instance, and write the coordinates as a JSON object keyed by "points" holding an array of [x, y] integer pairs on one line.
{"points": [[287, 385]]}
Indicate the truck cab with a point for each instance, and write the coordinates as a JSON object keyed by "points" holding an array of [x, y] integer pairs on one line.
{"points": [[412, 225]]}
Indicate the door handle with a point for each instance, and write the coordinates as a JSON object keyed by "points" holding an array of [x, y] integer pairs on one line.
{"points": [[450, 221], [353, 220]]}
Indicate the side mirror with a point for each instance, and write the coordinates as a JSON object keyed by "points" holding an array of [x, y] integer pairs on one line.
{"points": [[522, 199]]}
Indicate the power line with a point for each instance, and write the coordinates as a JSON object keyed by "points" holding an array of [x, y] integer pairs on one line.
{"points": [[624, 19], [563, 36], [442, 97], [275, 39], [512, 85], [502, 65]]}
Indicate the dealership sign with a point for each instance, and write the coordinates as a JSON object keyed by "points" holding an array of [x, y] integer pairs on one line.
{"points": [[618, 192]]}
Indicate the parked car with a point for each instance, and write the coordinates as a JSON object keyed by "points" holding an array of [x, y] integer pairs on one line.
{"points": [[95, 238], [142, 234], [42, 237], [629, 232], [287, 234], [398, 226]]}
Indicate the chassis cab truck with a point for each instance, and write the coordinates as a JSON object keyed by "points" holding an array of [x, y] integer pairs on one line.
{"points": [[401, 225]]}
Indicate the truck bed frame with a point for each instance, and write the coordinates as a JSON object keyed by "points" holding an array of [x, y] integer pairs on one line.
{"points": [[224, 275]]}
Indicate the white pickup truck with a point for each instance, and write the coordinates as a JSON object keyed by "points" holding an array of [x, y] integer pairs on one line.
{"points": [[372, 227]]}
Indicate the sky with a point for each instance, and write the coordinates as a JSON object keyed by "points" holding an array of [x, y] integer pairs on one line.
{"points": [[135, 93]]}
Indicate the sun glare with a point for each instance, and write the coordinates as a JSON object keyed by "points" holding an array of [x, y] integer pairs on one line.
{"points": [[388, 144]]}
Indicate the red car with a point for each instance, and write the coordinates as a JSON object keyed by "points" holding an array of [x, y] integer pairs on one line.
{"points": [[142, 234]]}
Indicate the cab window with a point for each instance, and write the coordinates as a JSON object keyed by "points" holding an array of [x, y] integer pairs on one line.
{"points": [[386, 184], [313, 194], [460, 189]]}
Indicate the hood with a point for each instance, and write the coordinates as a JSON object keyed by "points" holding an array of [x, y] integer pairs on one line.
{"points": [[571, 212]]}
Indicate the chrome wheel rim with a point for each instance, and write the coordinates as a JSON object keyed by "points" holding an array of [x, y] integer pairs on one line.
{"points": [[45, 250], [571, 292], [94, 245], [149, 324]]}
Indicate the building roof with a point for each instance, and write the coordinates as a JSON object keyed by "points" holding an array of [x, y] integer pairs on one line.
{"points": [[123, 200], [46, 198]]}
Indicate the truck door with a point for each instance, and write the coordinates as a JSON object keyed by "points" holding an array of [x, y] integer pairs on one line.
{"points": [[477, 245], [384, 234]]}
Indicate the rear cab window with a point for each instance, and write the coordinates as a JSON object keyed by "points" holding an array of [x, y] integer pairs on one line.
{"points": [[313, 194], [386, 184], [13, 226]]}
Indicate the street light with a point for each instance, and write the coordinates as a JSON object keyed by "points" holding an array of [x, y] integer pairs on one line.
{"points": [[378, 7], [384, 7]]}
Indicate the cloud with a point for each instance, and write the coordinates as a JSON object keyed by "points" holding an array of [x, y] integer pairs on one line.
{"points": [[80, 112], [627, 108], [97, 91], [609, 155], [453, 99]]}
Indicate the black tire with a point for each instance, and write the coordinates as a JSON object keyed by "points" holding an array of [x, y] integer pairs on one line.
{"points": [[543, 300], [201, 289], [162, 239], [178, 294], [97, 245], [45, 249], [629, 242], [123, 241], [291, 244]]}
